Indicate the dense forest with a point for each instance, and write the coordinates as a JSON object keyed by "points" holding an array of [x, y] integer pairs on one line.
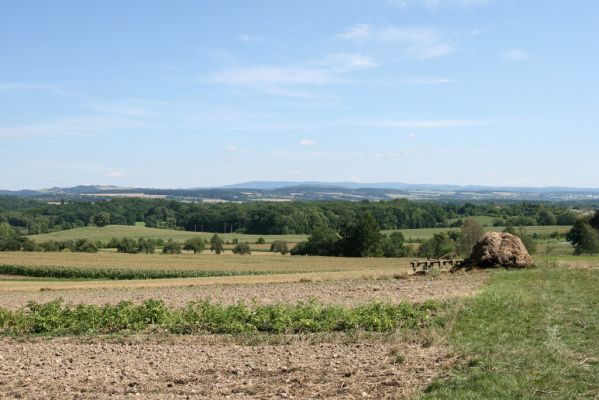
{"points": [[33, 217]]}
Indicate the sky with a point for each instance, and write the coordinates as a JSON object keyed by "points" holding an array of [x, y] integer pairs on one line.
{"points": [[182, 94]]}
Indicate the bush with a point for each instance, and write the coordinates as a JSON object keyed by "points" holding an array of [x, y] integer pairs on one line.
{"points": [[171, 247], [242, 249], [196, 245], [260, 240], [216, 244], [279, 246]]}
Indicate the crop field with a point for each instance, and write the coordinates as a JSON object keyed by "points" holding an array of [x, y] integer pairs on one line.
{"points": [[332, 327]]}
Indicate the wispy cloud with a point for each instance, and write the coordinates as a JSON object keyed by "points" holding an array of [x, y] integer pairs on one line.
{"points": [[436, 4], [515, 55], [285, 80], [16, 87], [307, 142], [429, 124], [356, 32], [424, 80], [413, 42], [114, 174], [250, 38]]}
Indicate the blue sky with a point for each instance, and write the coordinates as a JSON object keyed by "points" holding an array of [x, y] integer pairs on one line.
{"points": [[206, 93]]}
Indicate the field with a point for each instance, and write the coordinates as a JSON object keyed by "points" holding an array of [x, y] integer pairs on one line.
{"points": [[104, 234], [296, 327]]}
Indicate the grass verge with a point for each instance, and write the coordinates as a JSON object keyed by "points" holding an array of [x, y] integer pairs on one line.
{"points": [[56, 318], [530, 335]]}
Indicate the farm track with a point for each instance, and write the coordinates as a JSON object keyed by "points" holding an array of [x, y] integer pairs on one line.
{"points": [[193, 367], [334, 288]]}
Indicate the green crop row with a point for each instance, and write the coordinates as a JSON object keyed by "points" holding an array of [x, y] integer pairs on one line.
{"points": [[118, 274], [56, 318]]}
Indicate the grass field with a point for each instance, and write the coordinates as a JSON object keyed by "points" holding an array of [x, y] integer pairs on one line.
{"points": [[427, 233], [120, 231], [530, 334]]}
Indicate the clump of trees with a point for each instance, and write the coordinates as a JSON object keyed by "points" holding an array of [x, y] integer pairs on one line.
{"points": [[584, 235], [171, 247], [242, 248], [216, 244], [360, 239], [280, 246], [197, 245]]}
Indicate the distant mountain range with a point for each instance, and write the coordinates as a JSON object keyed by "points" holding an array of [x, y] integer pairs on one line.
{"points": [[313, 190]]}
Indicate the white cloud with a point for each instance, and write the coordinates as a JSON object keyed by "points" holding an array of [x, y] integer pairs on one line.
{"points": [[307, 142], [358, 31], [413, 42], [429, 124], [515, 55], [272, 75], [114, 174], [16, 87], [436, 4], [232, 148], [423, 80], [421, 42], [349, 61], [250, 38]]}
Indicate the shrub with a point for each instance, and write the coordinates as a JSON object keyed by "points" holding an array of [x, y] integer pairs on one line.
{"points": [[242, 249], [260, 240], [172, 247], [279, 246], [216, 244], [196, 245]]}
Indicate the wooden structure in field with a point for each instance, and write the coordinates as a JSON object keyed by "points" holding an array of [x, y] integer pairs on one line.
{"points": [[422, 266]]}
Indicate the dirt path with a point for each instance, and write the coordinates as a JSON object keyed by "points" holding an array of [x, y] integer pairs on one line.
{"points": [[342, 292], [190, 368]]}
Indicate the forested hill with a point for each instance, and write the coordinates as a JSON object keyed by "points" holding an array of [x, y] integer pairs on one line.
{"points": [[28, 216]]}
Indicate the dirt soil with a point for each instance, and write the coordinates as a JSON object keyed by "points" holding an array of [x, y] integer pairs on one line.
{"points": [[342, 292], [192, 368]]}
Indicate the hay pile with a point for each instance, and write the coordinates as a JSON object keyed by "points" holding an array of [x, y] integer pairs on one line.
{"points": [[498, 249]]}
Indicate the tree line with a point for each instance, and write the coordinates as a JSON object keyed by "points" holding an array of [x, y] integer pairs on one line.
{"points": [[32, 217]]}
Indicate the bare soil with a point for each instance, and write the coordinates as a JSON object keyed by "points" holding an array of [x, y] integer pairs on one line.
{"points": [[194, 368], [342, 292]]}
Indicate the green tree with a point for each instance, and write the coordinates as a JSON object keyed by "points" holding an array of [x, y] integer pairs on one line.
{"points": [[279, 246], [574, 236], [594, 221], [260, 240], [527, 240], [216, 244], [547, 218], [440, 245], [171, 247], [127, 245], [588, 241], [470, 232], [362, 239], [196, 245], [101, 219], [393, 245], [242, 249], [145, 246]]}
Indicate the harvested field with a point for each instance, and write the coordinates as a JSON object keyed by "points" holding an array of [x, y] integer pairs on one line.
{"points": [[345, 292], [199, 368], [212, 262]]}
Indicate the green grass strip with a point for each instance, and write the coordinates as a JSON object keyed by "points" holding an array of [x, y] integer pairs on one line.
{"points": [[530, 335], [56, 318], [120, 274]]}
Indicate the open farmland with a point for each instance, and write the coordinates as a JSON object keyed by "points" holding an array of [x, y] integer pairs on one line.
{"points": [[106, 233]]}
